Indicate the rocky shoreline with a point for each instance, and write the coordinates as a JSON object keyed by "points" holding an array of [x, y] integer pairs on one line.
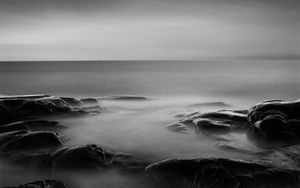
{"points": [[30, 137]]}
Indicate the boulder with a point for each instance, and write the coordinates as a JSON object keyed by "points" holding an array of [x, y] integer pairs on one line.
{"points": [[34, 96], [209, 104], [72, 102], [125, 98], [93, 157], [80, 158], [89, 101], [275, 120], [17, 141], [12, 110], [221, 121], [33, 125], [41, 184], [221, 173], [20, 108], [13, 127]]}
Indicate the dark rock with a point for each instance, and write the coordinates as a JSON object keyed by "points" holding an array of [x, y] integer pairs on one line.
{"points": [[210, 104], [89, 101], [81, 158], [204, 124], [125, 98], [27, 108], [275, 120], [72, 102], [238, 148], [221, 173], [227, 115], [221, 121], [12, 110], [13, 127], [92, 157], [91, 109], [41, 184], [178, 127], [33, 125], [35, 96], [29, 141]]}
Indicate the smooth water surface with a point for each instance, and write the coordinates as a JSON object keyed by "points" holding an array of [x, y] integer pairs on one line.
{"points": [[140, 127]]}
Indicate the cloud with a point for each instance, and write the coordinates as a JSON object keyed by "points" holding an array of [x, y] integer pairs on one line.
{"points": [[147, 29]]}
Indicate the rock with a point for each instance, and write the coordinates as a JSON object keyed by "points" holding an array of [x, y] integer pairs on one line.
{"points": [[125, 98], [26, 108], [35, 96], [227, 115], [276, 120], [72, 102], [41, 184], [204, 124], [28, 141], [12, 110], [209, 104], [93, 157], [81, 158], [178, 127], [33, 125], [13, 127], [221, 173], [89, 101], [239, 148], [286, 156], [221, 121]]}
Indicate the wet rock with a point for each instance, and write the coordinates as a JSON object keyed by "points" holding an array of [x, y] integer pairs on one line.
{"points": [[276, 120], [221, 173], [239, 148], [125, 98], [89, 101], [91, 109], [41, 184], [13, 127], [72, 102], [93, 157], [26, 108], [178, 127], [28, 141], [35, 96], [232, 115], [221, 121], [286, 156], [33, 125], [205, 124], [81, 158], [12, 110], [210, 104]]}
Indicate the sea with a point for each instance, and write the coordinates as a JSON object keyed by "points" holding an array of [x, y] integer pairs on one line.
{"points": [[140, 127]]}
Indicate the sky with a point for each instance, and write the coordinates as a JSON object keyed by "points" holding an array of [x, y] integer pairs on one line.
{"points": [[148, 29]]}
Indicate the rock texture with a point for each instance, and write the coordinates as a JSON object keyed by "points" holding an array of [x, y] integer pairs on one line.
{"points": [[28, 141], [41, 184], [20, 108], [275, 120], [33, 125], [221, 121], [80, 158], [221, 173]]}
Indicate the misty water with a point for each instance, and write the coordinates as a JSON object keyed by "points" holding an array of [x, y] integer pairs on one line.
{"points": [[139, 127]]}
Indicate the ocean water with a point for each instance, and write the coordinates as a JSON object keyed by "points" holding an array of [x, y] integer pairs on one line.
{"points": [[140, 127]]}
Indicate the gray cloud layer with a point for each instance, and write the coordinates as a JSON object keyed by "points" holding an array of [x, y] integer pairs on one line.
{"points": [[147, 29]]}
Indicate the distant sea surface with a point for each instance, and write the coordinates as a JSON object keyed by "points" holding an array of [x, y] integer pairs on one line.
{"points": [[250, 80]]}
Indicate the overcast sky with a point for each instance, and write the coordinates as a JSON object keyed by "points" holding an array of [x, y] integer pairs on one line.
{"points": [[147, 29]]}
